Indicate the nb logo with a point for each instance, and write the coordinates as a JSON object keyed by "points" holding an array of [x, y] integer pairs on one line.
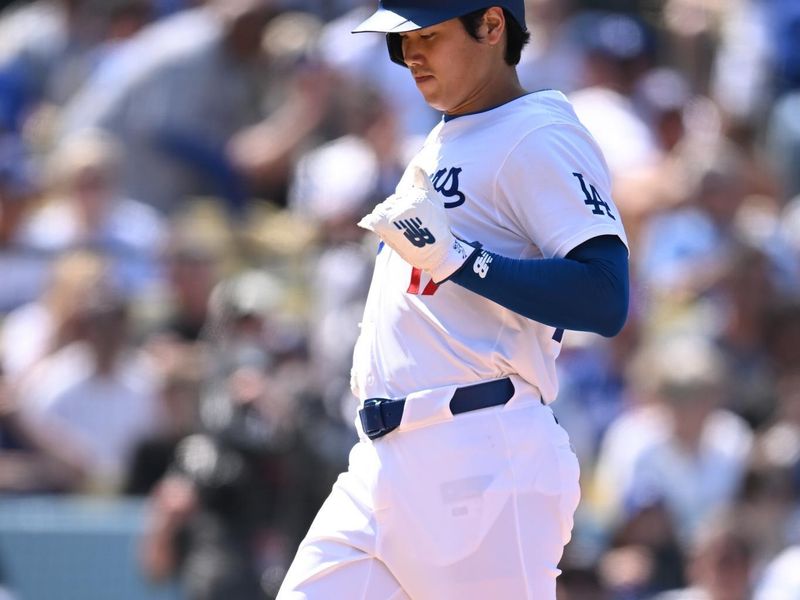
{"points": [[414, 232], [446, 183], [459, 249], [481, 264], [593, 199]]}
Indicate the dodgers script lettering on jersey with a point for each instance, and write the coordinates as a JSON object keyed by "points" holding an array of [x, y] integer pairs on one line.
{"points": [[526, 180]]}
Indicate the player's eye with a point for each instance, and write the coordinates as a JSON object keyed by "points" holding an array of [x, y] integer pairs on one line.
{"points": [[427, 36]]}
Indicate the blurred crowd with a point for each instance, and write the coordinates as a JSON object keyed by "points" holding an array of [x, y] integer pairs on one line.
{"points": [[179, 186]]}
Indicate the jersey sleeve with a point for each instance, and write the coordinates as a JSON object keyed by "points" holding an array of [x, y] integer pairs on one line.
{"points": [[558, 190]]}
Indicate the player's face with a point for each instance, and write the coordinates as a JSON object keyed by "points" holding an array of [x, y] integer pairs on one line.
{"points": [[455, 73]]}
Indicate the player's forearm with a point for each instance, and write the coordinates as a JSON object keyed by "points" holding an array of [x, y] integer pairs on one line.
{"points": [[586, 291]]}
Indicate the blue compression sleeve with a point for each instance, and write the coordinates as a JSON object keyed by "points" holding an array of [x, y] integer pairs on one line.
{"points": [[586, 291]]}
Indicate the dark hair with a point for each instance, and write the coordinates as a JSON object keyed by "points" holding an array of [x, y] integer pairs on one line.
{"points": [[516, 36]]}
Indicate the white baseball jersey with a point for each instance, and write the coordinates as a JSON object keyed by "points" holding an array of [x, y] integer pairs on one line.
{"points": [[524, 179]]}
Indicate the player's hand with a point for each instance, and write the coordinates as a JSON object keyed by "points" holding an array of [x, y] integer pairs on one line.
{"points": [[414, 223]]}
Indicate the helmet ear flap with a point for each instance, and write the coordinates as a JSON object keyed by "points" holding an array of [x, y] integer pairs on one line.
{"points": [[395, 45]]}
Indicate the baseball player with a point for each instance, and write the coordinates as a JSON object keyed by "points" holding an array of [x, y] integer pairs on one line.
{"points": [[501, 235]]}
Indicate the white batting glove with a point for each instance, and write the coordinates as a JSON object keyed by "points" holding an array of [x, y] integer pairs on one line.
{"points": [[414, 224]]}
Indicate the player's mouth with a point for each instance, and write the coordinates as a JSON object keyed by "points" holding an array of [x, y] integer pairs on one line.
{"points": [[421, 78]]}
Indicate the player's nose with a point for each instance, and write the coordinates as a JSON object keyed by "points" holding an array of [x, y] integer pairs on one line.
{"points": [[412, 52]]}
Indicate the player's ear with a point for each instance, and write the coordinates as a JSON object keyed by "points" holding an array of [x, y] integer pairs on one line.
{"points": [[494, 25]]}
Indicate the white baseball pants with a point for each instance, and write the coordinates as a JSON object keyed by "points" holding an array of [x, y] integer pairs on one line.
{"points": [[477, 506]]}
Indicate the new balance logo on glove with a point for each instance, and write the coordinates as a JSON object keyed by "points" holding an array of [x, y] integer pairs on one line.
{"points": [[416, 214], [415, 232], [481, 264]]}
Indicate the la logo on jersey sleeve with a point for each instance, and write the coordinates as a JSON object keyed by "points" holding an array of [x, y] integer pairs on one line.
{"points": [[593, 199]]}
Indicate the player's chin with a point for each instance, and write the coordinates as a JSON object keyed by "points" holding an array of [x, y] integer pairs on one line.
{"points": [[429, 89], [434, 99]]}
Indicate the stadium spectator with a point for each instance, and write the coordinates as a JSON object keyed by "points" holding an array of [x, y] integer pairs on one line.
{"points": [[185, 98], [696, 467], [663, 98], [644, 556], [97, 392], [36, 330], [771, 488], [679, 447], [50, 47], [553, 59], [181, 371], [683, 251], [193, 268], [745, 296], [618, 52], [240, 493], [86, 210], [720, 564], [31, 461]]}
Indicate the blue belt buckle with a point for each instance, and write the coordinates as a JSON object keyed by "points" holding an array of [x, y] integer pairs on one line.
{"points": [[371, 417]]}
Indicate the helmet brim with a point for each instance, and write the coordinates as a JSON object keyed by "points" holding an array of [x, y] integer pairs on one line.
{"points": [[387, 21]]}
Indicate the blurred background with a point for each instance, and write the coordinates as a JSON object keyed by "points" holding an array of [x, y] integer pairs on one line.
{"points": [[182, 280]]}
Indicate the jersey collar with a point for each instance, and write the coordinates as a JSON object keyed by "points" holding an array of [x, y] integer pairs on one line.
{"points": [[448, 118]]}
